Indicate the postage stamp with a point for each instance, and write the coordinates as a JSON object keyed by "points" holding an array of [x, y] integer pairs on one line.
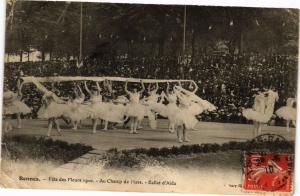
{"points": [[268, 171]]}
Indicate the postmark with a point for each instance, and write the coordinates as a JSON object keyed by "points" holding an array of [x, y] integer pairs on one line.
{"points": [[268, 171]]}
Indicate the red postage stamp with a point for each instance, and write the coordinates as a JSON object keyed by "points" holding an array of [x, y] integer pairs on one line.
{"points": [[268, 171]]}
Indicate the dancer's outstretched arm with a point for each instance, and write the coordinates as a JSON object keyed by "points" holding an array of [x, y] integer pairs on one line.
{"points": [[143, 87], [162, 97], [87, 89], [196, 87], [20, 85], [149, 87], [168, 88], [80, 90], [109, 86], [98, 87], [156, 89], [126, 89]]}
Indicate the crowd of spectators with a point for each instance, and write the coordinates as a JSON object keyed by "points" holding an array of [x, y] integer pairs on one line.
{"points": [[229, 82]]}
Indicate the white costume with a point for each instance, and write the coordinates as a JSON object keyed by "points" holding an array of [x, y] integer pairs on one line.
{"points": [[185, 115], [96, 106], [113, 112], [288, 112], [190, 106], [257, 112], [77, 110], [135, 108], [8, 106], [172, 108], [199, 104], [51, 108], [263, 107], [12, 105]]}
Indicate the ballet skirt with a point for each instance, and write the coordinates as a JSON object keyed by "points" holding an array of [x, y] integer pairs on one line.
{"points": [[8, 103], [77, 110], [160, 108], [96, 107], [196, 108], [206, 105], [22, 107], [112, 112], [188, 111], [134, 108], [172, 108], [287, 113], [251, 114], [154, 106], [290, 102], [185, 117], [257, 113], [52, 110], [185, 114]]}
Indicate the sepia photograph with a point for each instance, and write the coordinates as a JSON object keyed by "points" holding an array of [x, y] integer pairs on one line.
{"points": [[149, 98]]}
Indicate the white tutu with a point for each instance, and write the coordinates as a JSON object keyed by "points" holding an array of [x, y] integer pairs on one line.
{"points": [[172, 112], [185, 117], [196, 109], [251, 114], [10, 109], [8, 103], [160, 108], [85, 110], [113, 112], [53, 110], [97, 109], [77, 112], [22, 107], [206, 105], [136, 110], [287, 113]]}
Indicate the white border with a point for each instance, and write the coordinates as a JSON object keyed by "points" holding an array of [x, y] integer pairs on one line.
{"points": [[235, 3]]}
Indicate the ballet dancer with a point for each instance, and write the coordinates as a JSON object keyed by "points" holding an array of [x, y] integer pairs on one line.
{"points": [[262, 110], [22, 107], [52, 109], [172, 108], [288, 113], [77, 111], [134, 109], [8, 107], [96, 104]]}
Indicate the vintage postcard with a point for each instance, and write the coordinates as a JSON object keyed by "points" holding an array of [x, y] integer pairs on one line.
{"points": [[149, 98]]}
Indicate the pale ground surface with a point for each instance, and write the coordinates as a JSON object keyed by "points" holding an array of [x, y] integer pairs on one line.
{"points": [[214, 178], [209, 132]]}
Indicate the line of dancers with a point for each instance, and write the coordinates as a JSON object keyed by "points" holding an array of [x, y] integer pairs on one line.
{"points": [[183, 105]]}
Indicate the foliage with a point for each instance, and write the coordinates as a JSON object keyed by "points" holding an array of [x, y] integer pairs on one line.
{"points": [[21, 147], [140, 157], [145, 30]]}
